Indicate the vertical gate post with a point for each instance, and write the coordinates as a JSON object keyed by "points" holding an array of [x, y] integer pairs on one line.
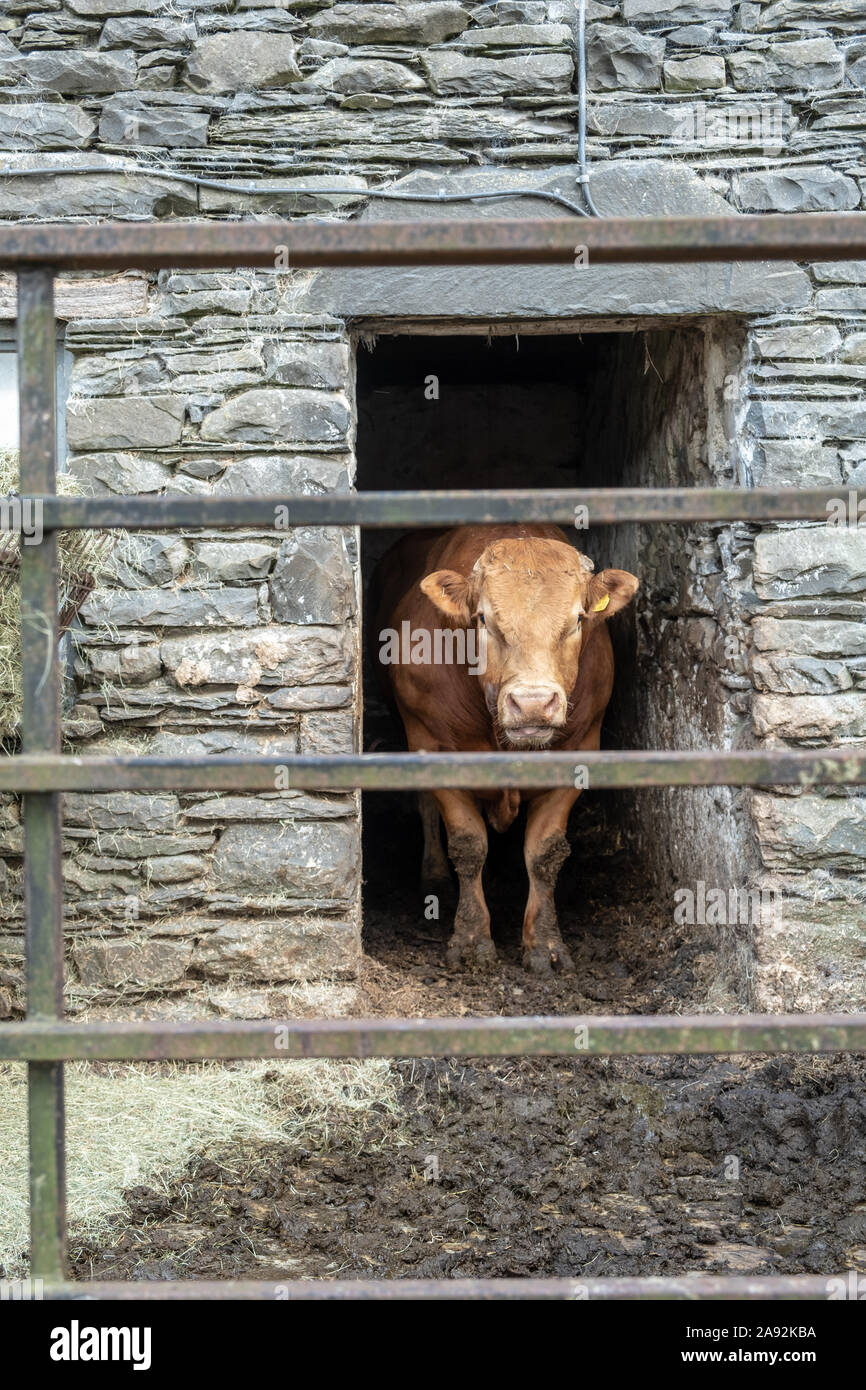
{"points": [[40, 733]]}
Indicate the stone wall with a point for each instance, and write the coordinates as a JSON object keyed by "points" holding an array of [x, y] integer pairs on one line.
{"points": [[243, 381]]}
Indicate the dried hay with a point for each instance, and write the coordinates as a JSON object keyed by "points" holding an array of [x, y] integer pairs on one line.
{"points": [[83, 555], [130, 1126]]}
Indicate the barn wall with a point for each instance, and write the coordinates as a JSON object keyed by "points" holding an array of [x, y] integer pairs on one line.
{"points": [[242, 381]]}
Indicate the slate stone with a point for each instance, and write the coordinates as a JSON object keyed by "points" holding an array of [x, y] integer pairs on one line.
{"points": [[703, 74], [174, 868], [796, 190], [70, 70], [282, 473], [802, 65], [846, 272], [305, 362], [288, 806], [810, 637], [130, 120], [116, 373], [145, 32], [299, 860], [328, 731], [795, 463], [278, 195], [623, 59], [110, 422], [515, 36], [269, 655], [810, 717], [125, 474], [457, 74], [854, 349], [810, 560], [313, 580], [802, 340], [800, 675], [428, 23], [692, 36], [350, 75], [283, 948], [793, 12], [808, 419], [395, 129], [157, 811], [242, 62], [107, 8], [621, 188], [112, 194], [800, 832], [675, 11], [276, 416], [218, 743], [133, 665], [230, 561], [143, 962], [44, 125], [183, 607], [140, 560]]}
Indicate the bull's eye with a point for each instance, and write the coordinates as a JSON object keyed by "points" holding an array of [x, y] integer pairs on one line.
{"points": [[479, 618]]}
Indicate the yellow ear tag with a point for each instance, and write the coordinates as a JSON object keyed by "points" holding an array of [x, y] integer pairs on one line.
{"points": [[601, 605]]}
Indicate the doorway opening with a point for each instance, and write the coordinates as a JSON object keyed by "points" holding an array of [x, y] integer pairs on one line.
{"points": [[630, 409]]}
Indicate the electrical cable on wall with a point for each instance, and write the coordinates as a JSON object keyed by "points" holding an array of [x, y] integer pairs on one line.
{"points": [[581, 109], [392, 195]]}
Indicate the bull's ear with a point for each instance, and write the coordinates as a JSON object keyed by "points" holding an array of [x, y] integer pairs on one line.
{"points": [[610, 591], [449, 591]]}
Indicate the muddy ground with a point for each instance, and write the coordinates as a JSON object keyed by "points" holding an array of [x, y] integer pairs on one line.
{"points": [[532, 1167]]}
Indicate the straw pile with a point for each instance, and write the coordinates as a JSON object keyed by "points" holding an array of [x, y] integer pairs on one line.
{"points": [[83, 555]]}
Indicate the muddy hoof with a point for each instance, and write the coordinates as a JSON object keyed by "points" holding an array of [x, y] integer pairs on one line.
{"points": [[474, 955], [548, 960]]}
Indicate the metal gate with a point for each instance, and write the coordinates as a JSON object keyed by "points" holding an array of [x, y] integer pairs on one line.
{"points": [[44, 1040]]}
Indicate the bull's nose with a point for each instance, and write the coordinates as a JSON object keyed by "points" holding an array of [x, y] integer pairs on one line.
{"points": [[532, 705]]}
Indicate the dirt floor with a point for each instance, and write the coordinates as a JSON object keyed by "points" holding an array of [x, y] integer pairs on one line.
{"points": [[532, 1167]]}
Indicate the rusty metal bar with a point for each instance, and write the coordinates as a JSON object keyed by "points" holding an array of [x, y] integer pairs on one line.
{"points": [[566, 506], [40, 734], [45, 1040], [689, 1288], [581, 1035], [437, 241], [800, 767]]}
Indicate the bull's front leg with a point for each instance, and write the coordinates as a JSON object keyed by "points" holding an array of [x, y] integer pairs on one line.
{"points": [[545, 851], [435, 875], [471, 943]]}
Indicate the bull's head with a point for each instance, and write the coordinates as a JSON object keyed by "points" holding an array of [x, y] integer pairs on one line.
{"points": [[534, 603]]}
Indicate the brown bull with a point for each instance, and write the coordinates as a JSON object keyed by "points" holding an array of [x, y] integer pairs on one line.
{"points": [[538, 674]]}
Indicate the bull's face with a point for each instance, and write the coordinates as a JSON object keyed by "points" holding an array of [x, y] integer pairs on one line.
{"points": [[534, 603]]}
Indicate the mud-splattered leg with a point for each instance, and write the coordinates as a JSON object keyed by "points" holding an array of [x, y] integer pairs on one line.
{"points": [[545, 851], [467, 850]]}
